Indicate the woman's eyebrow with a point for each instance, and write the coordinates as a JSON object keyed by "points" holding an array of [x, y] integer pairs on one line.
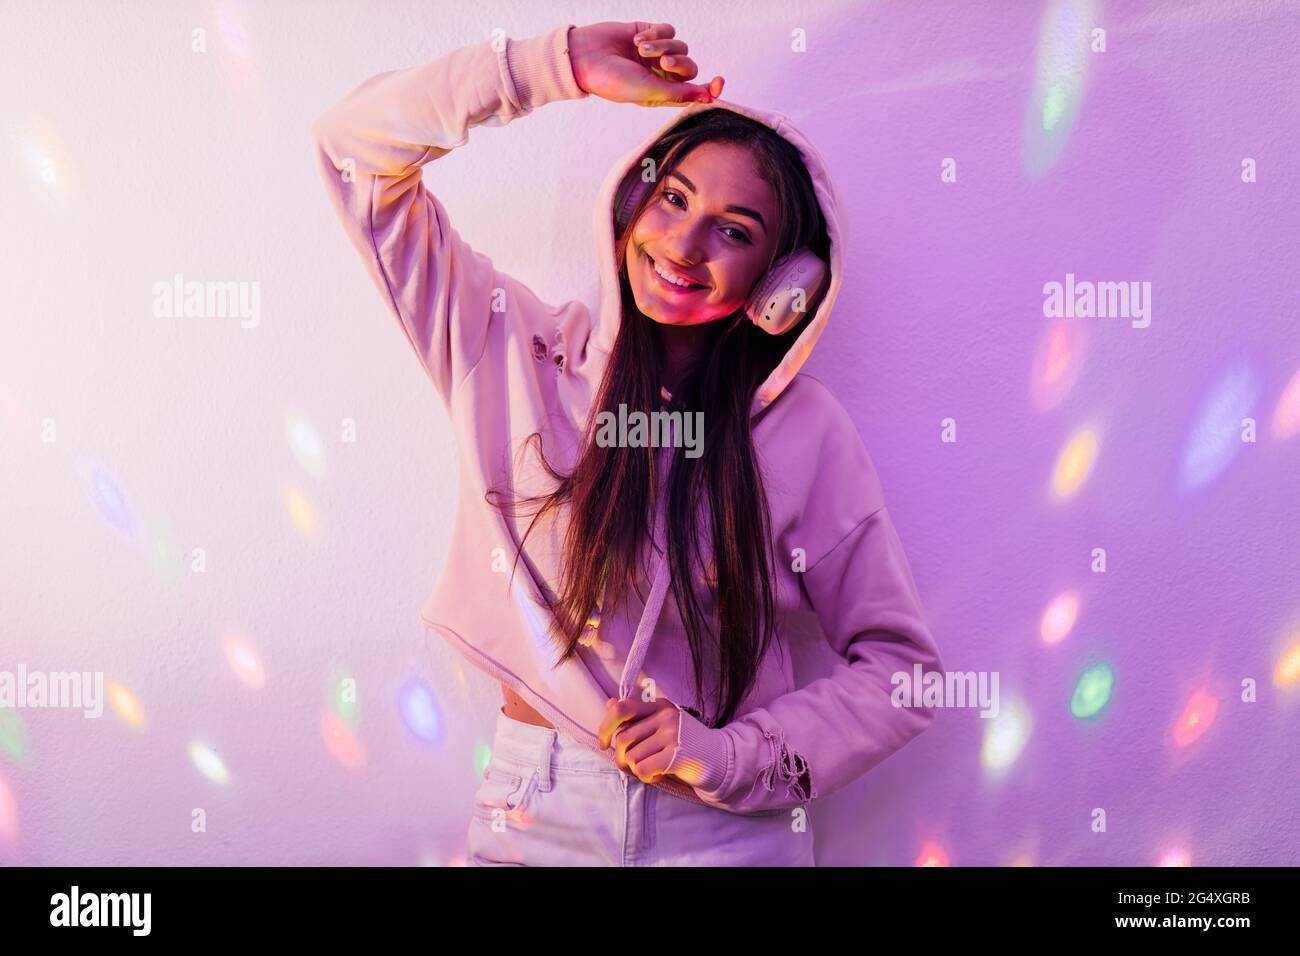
{"points": [[742, 210]]}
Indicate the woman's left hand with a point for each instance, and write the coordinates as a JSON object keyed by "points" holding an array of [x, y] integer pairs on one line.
{"points": [[643, 735], [659, 738]]}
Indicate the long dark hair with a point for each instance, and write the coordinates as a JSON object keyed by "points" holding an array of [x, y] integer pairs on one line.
{"points": [[611, 490]]}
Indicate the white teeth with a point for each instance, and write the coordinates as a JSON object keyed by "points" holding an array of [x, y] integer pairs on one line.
{"points": [[674, 279]]}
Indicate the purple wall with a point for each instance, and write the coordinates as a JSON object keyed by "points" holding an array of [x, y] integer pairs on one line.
{"points": [[186, 508]]}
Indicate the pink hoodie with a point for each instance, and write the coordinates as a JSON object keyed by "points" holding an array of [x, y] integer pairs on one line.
{"points": [[506, 364]]}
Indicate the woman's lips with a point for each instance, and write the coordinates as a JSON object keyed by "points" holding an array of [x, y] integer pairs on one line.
{"points": [[667, 286]]}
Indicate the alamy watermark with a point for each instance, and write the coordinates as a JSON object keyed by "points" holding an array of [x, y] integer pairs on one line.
{"points": [[1106, 300], [179, 299], [129, 910], [949, 689], [62, 689], [641, 429]]}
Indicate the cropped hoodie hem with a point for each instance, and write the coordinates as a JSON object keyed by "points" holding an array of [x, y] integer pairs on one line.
{"points": [[505, 364]]}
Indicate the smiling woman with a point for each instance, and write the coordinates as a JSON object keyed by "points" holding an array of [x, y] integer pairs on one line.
{"points": [[693, 246], [701, 241], [651, 714]]}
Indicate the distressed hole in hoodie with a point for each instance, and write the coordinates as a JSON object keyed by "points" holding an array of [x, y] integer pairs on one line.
{"points": [[540, 348], [792, 768]]}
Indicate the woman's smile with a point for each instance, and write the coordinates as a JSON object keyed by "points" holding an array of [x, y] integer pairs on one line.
{"points": [[670, 287]]}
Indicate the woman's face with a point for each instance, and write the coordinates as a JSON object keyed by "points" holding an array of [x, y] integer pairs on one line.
{"points": [[711, 221]]}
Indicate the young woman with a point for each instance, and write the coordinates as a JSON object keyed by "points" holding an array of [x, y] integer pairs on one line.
{"points": [[638, 730]]}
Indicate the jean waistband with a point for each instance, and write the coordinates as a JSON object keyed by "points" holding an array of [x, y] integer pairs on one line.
{"points": [[533, 745]]}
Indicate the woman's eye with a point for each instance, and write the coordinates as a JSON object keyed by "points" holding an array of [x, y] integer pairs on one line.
{"points": [[673, 199]]}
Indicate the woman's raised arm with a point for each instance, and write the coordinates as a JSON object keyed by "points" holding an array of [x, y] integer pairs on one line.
{"points": [[372, 146]]}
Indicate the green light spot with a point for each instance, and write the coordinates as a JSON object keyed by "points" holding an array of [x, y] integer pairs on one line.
{"points": [[13, 735], [482, 754], [1053, 107], [345, 700], [1093, 690]]}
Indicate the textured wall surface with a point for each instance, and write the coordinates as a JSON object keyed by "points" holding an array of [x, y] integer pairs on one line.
{"points": [[1100, 509]]}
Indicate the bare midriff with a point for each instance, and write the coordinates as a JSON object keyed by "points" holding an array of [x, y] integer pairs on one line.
{"points": [[516, 708]]}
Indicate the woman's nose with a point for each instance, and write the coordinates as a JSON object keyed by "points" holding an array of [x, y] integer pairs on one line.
{"points": [[684, 250]]}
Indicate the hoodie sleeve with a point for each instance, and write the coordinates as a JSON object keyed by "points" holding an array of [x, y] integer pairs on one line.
{"points": [[810, 742], [372, 146]]}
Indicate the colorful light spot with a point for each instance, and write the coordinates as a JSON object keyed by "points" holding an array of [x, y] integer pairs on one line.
{"points": [[306, 444], [301, 512], [1197, 717], [1059, 81], [1074, 463], [13, 735], [1056, 365], [1092, 691], [162, 550], [8, 813], [107, 497], [1216, 433], [343, 697], [1286, 414], [244, 661], [1176, 857], [235, 55], [419, 709], [1005, 736], [482, 755], [125, 705], [341, 742], [51, 173], [207, 762], [1055, 104], [1287, 672], [1058, 619], [42, 166], [932, 854]]}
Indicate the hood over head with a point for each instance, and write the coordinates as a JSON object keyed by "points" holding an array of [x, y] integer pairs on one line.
{"points": [[609, 317]]}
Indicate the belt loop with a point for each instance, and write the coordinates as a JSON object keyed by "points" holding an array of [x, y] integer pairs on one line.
{"points": [[544, 757]]}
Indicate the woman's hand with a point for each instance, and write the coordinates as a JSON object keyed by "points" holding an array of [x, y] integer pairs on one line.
{"points": [[657, 739], [638, 63]]}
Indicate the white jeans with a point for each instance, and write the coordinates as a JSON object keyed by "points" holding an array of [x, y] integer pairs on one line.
{"points": [[546, 800]]}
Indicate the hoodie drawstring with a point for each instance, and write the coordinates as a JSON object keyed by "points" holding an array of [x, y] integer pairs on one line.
{"points": [[645, 629], [658, 589]]}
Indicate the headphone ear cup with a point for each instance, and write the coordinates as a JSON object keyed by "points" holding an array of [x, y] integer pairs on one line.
{"points": [[793, 279]]}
